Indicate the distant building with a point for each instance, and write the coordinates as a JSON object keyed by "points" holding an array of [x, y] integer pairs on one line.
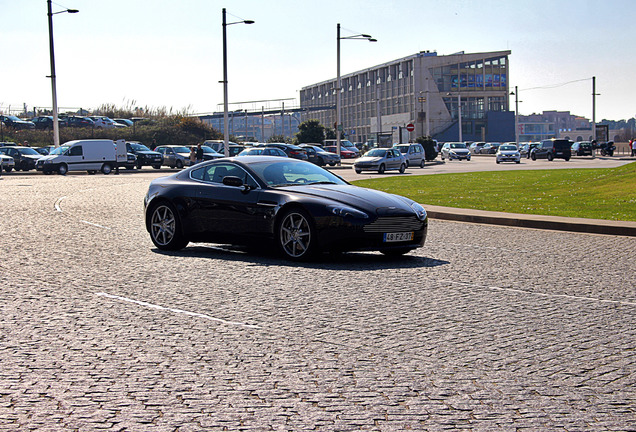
{"points": [[554, 124], [425, 90]]}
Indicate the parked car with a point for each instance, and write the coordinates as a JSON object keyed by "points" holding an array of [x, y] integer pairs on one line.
{"points": [[263, 151], [582, 148], [320, 156], [105, 122], [78, 121], [508, 153], [343, 144], [46, 122], [380, 160], [309, 210], [175, 156], [293, 151], [7, 163], [16, 123], [490, 148], [145, 156], [475, 148], [551, 149], [125, 122], [344, 152], [24, 158], [44, 151], [526, 148], [414, 154], [209, 153], [455, 150]]}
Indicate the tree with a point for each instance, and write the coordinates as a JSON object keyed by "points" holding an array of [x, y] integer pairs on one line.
{"points": [[429, 147], [310, 131], [279, 139]]}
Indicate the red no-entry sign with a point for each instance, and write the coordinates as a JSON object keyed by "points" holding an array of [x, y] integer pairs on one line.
{"points": [[410, 127]]}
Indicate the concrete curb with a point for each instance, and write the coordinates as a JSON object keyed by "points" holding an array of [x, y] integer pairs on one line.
{"points": [[591, 226]]}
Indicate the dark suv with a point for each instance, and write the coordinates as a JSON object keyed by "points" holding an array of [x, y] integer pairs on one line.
{"points": [[552, 148], [144, 155]]}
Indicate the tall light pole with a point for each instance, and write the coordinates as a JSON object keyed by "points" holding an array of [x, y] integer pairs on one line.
{"points": [[338, 89], [516, 95], [56, 126], [226, 132]]}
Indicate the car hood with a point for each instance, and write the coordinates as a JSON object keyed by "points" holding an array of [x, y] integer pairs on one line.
{"points": [[34, 157], [369, 159], [459, 150], [372, 201], [508, 152]]}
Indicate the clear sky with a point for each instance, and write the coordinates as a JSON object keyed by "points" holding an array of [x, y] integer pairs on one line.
{"points": [[158, 53]]}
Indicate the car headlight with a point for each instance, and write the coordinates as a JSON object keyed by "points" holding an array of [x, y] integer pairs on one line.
{"points": [[419, 211], [344, 211]]}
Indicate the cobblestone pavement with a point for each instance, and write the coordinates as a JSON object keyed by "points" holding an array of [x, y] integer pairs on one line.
{"points": [[485, 328]]}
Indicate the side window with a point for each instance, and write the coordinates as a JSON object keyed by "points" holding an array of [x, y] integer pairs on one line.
{"points": [[216, 172], [75, 151]]}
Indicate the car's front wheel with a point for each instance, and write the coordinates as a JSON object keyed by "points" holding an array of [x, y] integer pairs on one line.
{"points": [[534, 157], [165, 228], [179, 164], [295, 235], [62, 169]]}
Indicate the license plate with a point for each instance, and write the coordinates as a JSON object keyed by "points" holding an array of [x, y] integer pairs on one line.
{"points": [[398, 237]]}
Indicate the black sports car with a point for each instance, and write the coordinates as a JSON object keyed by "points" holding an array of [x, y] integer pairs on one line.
{"points": [[302, 208]]}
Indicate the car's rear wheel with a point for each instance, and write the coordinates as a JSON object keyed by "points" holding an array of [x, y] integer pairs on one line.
{"points": [[358, 171], [534, 157], [165, 228], [179, 164], [402, 168], [381, 169], [550, 157], [295, 235], [422, 163]]}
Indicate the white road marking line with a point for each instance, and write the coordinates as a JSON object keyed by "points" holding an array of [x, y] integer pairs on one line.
{"points": [[173, 310], [58, 202], [540, 293], [95, 225]]}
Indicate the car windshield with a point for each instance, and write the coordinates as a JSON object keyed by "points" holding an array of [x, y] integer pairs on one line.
{"points": [[58, 151], [292, 172], [403, 149], [28, 151], [139, 147], [507, 147], [207, 149], [12, 118], [376, 153], [182, 149], [458, 145]]}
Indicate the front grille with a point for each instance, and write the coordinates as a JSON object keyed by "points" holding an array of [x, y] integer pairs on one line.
{"points": [[394, 224]]}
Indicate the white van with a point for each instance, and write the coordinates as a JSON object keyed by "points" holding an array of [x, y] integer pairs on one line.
{"points": [[84, 155]]}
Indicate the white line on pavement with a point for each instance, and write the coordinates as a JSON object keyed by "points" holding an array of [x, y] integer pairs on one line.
{"points": [[95, 225], [58, 202], [540, 293], [173, 310]]}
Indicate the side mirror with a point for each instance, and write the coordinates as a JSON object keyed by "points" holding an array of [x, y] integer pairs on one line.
{"points": [[232, 181]]}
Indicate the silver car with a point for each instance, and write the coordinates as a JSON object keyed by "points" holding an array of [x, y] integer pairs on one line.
{"points": [[414, 154], [380, 160], [455, 150], [175, 156], [7, 163]]}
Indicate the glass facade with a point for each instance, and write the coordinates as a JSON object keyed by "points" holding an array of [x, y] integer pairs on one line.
{"points": [[388, 93]]}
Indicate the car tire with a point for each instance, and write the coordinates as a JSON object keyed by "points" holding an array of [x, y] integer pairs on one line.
{"points": [[533, 157], [402, 168], [62, 169], [165, 227], [8, 169], [550, 157], [381, 169], [497, 161], [156, 166], [179, 164], [518, 161], [422, 163], [320, 162], [106, 169], [295, 234], [567, 159], [358, 171]]}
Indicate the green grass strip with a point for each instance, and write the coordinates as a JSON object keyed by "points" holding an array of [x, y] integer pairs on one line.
{"points": [[606, 193]]}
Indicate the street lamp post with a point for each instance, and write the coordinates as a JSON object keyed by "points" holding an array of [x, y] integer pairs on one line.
{"points": [[516, 95], [338, 89], [56, 126], [226, 133]]}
